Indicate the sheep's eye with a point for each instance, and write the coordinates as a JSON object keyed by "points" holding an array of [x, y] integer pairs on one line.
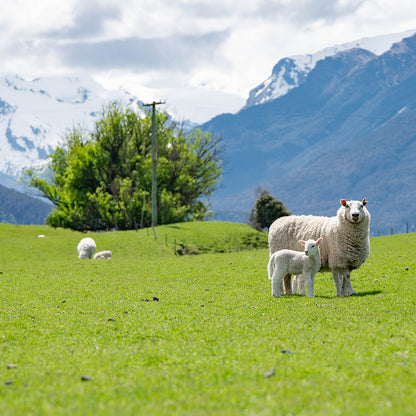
{"points": [[347, 206]]}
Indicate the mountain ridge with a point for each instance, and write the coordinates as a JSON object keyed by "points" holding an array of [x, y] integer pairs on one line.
{"points": [[350, 102], [290, 72]]}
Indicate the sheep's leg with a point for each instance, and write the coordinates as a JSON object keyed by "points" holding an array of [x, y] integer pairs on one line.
{"points": [[309, 280], [295, 285], [281, 287], [347, 289], [298, 284], [288, 287], [338, 280], [277, 283], [301, 283]]}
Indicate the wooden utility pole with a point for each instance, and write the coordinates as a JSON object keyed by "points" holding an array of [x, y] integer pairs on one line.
{"points": [[154, 162]]}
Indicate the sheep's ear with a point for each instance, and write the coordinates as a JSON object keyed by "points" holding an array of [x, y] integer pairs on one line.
{"points": [[365, 202], [302, 242], [343, 202], [319, 241]]}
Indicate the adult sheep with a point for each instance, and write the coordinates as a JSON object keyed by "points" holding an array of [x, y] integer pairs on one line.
{"points": [[345, 246], [86, 248]]}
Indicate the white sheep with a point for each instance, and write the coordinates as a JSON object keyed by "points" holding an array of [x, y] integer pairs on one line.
{"points": [[346, 244], [86, 248], [103, 255], [288, 262]]}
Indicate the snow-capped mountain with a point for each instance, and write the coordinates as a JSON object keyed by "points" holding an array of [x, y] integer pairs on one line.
{"points": [[34, 116], [291, 72]]}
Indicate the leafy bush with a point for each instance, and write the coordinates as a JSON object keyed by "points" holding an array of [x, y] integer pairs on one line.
{"points": [[102, 179]]}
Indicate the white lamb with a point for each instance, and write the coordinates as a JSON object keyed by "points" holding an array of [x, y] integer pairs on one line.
{"points": [[86, 248], [288, 262], [103, 255], [346, 243]]}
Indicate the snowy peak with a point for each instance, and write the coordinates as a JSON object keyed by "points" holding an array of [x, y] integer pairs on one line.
{"points": [[291, 72], [286, 74], [34, 115]]}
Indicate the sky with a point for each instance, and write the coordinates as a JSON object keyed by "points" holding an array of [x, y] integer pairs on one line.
{"points": [[201, 56]]}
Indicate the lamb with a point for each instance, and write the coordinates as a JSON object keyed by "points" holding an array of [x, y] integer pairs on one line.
{"points": [[86, 248], [287, 262], [103, 255], [346, 244]]}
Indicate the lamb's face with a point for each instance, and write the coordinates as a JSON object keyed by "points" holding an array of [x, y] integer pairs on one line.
{"points": [[353, 211], [311, 247]]}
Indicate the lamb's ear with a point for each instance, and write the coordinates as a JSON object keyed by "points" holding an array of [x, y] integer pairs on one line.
{"points": [[365, 202], [302, 242], [343, 202], [319, 241]]}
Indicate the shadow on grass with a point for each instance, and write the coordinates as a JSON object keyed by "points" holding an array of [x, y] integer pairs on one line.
{"points": [[358, 295], [368, 293]]}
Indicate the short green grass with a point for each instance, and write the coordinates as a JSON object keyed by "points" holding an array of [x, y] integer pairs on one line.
{"points": [[85, 337]]}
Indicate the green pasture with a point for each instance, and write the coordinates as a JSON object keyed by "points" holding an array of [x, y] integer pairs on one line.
{"points": [[186, 325]]}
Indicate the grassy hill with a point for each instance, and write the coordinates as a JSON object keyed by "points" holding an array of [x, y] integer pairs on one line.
{"points": [[154, 332]]}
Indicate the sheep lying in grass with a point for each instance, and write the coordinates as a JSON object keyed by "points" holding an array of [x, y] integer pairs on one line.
{"points": [[288, 262], [346, 243], [86, 248], [103, 255]]}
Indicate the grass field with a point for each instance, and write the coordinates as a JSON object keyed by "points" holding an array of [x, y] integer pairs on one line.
{"points": [[156, 333]]}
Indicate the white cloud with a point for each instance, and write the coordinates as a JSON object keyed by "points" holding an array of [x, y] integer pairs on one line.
{"points": [[188, 51]]}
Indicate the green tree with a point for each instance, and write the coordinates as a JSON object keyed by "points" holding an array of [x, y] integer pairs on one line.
{"points": [[266, 210], [102, 179]]}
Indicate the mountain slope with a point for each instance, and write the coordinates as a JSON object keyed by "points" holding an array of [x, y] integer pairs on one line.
{"points": [[291, 72], [18, 208], [341, 134]]}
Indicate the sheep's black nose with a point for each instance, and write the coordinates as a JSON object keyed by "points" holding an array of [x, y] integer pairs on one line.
{"points": [[355, 215]]}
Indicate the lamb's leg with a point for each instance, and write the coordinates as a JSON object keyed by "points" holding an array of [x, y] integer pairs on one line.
{"points": [[277, 283], [288, 287], [301, 282], [338, 280], [309, 280], [347, 289], [295, 285]]}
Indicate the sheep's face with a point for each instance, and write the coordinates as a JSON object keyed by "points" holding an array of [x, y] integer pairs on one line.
{"points": [[84, 255], [354, 211]]}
